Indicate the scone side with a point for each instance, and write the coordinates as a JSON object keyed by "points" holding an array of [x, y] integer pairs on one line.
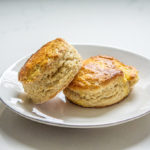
{"points": [[103, 96], [55, 88], [77, 94], [73, 102], [42, 101], [55, 68]]}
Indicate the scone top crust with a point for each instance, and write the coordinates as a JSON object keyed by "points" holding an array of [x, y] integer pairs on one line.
{"points": [[42, 59], [99, 70]]}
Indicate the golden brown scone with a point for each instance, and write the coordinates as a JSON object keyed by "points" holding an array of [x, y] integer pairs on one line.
{"points": [[101, 81], [49, 70]]}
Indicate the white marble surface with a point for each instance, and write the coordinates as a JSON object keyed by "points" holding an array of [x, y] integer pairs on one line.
{"points": [[26, 25]]}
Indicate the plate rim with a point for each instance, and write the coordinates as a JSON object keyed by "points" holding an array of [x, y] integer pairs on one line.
{"points": [[65, 125], [68, 125]]}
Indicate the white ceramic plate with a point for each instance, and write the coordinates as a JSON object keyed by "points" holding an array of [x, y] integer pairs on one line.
{"points": [[59, 112]]}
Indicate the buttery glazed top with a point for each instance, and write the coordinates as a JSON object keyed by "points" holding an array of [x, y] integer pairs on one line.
{"points": [[43, 58], [99, 70]]}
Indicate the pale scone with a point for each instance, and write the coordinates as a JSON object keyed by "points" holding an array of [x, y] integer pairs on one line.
{"points": [[49, 70], [101, 81]]}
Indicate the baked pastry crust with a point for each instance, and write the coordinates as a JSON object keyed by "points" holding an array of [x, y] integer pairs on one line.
{"points": [[101, 81], [49, 70]]}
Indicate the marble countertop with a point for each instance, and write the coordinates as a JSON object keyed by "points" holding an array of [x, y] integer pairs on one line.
{"points": [[26, 25]]}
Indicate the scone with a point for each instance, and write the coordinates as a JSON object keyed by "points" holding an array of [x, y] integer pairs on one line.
{"points": [[49, 70], [101, 81]]}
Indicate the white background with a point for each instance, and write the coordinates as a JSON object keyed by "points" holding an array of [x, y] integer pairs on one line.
{"points": [[26, 25]]}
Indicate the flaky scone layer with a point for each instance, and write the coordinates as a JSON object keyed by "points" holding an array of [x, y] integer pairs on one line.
{"points": [[49, 70], [101, 81]]}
